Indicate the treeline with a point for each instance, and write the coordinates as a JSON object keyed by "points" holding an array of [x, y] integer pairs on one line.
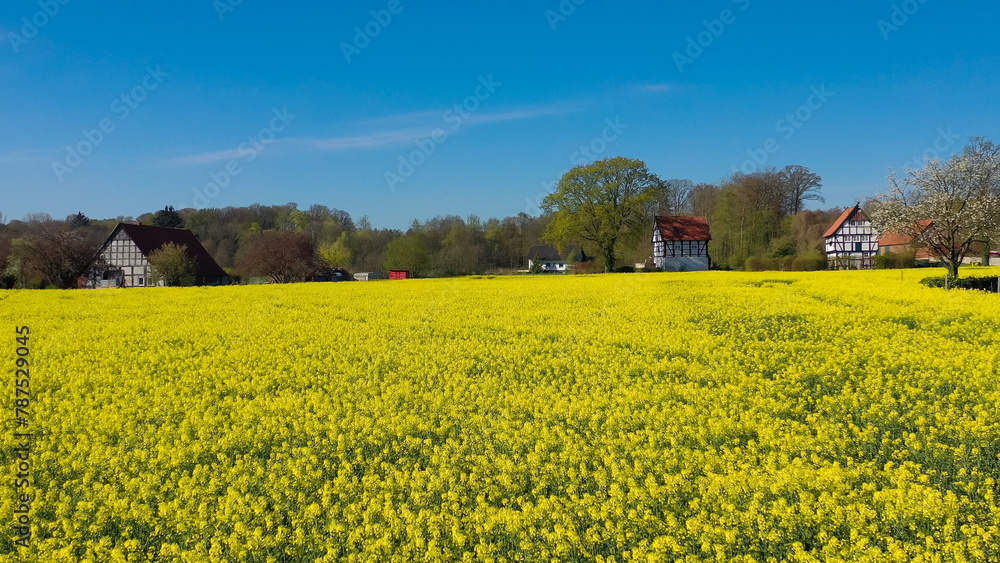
{"points": [[443, 246], [283, 242], [757, 220]]}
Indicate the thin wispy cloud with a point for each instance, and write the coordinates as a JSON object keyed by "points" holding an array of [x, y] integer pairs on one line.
{"points": [[207, 158], [434, 118], [404, 133], [518, 115], [372, 141], [440, 121], [400, 120], [657, 88]]}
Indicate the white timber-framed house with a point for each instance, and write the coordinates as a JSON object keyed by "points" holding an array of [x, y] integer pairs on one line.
{"points": [[123, 259], [851, 242], [680, 244]]}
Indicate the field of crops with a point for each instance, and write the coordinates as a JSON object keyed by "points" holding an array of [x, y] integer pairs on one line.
{"points": [[838, 416]]}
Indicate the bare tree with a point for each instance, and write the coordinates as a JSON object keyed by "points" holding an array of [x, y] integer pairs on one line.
{"points": [[704, 198], [284, 257], [60, 255], [960, 195], [673, 197], [800, 185], [7, 279], [37, 218]]}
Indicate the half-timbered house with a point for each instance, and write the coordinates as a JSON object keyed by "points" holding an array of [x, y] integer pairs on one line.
{"points": [[680, 244], [123, 260], [851, 242]]}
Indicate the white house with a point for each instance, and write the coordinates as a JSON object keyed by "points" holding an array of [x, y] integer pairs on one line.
{"points": [[123, 259], [550, 259], [851, 243], [680, 244]]}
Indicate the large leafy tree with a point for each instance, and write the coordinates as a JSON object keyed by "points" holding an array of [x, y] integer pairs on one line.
{"points": [[337, 254], [408, 253], [960, 195], [172, 265], [604, 203]]}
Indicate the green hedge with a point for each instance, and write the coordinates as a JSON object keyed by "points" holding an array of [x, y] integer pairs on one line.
{"points": [[982, 284]]}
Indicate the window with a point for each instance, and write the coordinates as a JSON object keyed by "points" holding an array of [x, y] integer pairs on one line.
{"points": [[140, 281]]}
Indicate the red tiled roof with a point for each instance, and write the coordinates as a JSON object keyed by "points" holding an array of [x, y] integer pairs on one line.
{"points": [[683, 228], [149, 239], [840, 221], [897, 239]]}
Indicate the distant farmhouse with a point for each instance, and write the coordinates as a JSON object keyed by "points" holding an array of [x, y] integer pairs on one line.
{"points": [[680, 244], [904, 244], [550, 261], [851, 243], [900, 244], [123, 260]]}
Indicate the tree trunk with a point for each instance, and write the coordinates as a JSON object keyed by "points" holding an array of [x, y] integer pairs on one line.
{"points": [[609, 259], [953, 265]]}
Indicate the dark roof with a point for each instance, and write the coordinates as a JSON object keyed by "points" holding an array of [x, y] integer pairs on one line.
{"points": [[849, 214], [548, 252], [149, 239], [683, 228]]}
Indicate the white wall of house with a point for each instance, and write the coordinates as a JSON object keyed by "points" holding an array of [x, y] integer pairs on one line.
{"points": [[680, 256], [550, 265], [683, 264], [852, 246], [127, 267]]}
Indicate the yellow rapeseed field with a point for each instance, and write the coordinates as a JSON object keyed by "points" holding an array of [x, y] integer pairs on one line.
{"points": [[836, 416]]}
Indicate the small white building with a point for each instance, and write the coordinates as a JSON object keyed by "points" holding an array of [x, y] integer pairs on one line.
{"points": [[851, 243], [680, 244], [551, 262]]}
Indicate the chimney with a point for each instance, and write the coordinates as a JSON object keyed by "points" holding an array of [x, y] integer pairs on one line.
{"points": [[136, 223]]}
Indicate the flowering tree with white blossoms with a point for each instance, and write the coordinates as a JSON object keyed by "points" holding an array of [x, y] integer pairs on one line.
{"points": [[960, 195]]}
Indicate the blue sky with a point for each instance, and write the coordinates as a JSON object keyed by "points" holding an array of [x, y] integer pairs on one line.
{"points": [[447, 108]]}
